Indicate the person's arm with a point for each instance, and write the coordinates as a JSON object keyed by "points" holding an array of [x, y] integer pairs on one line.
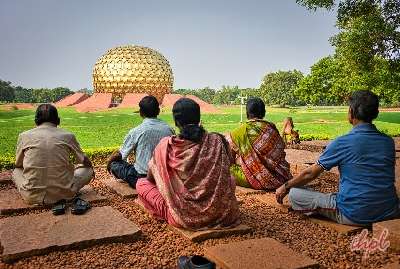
{"points": [[19, 154], [306, 176], [129, 144], [115, 156], [331, 157], [81, 158]]}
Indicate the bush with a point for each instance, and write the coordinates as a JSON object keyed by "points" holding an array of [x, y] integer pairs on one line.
{"points": [[97, 156]]}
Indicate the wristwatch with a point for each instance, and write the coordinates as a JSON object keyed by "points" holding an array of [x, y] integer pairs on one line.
{"points": [[287, 186]]}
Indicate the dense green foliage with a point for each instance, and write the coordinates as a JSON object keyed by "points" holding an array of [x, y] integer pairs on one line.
{"points": [[7, 93], [367, 54], [279, 88], [18, 94]]}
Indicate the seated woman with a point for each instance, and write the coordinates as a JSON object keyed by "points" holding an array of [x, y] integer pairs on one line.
{"points": [[188, 182], [259, 149], [289, 135]]}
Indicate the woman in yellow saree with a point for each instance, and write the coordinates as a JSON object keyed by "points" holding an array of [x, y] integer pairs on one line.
{"points": [[259, 151]]}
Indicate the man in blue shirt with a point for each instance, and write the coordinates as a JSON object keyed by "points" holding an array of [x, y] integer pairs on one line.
{"points": [[141, 140], [366, 161]]}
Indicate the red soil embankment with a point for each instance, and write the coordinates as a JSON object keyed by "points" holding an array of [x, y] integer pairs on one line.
{"points": [[72, 99], [204, 106], [132, 100], [170, 99], [96, 102]]}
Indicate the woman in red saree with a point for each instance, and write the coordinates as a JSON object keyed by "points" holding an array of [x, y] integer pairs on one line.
{"points": [[188, 182], [259, 151]]}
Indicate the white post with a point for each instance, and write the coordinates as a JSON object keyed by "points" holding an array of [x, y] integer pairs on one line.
{"points": [[242, 98]]}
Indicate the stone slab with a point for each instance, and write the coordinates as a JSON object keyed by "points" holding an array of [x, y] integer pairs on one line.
{"points": [[5, 177], [259, 254], [198, 236], [393, 227], [339, 228], [46, 233], [120, 188], [243, 190], [270, 199], [11, 201]]}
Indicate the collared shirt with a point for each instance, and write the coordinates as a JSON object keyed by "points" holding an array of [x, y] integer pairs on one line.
{"points": [[366, 161], [44, 154], [142, 140]]}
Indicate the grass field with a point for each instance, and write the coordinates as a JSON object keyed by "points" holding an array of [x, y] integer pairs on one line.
{"points": [[108, 128]]}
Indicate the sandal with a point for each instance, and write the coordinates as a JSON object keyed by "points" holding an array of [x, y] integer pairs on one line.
{"points": [[59, 207], [79, 206]]}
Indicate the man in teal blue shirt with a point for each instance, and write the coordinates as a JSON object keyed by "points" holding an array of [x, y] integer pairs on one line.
{"points": [[366, 161], [140, 140]]}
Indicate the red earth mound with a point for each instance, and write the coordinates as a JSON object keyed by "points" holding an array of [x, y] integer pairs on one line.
{"points": [[170, 99], [72, 99], [204, 106], [96, 102], [132, 100]]}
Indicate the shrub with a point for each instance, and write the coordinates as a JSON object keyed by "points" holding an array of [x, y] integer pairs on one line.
{"points": [[97, 156]]}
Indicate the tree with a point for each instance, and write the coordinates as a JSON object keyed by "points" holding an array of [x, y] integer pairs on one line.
{"points": [[227, 95], [86, 91], [279, 88], [7, 92], [59, 93], [367, 54], [23, 95]]}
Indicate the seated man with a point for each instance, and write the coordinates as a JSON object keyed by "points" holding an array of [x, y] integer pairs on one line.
{"points": [[366, 160], [141, 140], [289, 135], [43, 171], [259, 151], [189, 184]]}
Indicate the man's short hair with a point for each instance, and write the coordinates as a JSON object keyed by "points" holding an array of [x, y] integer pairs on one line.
{"points": [[46, 113], [149, 106], [255, 107], [364, 105]]}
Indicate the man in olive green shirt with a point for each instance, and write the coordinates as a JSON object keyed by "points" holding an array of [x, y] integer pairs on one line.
{"points": [[43, 171]]}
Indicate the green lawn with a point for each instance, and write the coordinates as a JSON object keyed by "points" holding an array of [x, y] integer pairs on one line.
{"points": [[107, 129]]}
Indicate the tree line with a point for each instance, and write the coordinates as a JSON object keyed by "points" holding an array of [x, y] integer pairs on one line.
{"points": [[18, 94]]}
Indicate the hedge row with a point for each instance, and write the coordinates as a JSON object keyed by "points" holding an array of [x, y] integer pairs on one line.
{"points": [[97, 156]]}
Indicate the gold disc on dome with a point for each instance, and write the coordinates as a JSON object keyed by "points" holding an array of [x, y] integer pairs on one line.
{"points": [[132, 69]]}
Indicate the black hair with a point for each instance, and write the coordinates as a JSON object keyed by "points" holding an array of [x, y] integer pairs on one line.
{"points": [[149, 106], [186, 113], [255, 107], [364, 105], [46, 113]]}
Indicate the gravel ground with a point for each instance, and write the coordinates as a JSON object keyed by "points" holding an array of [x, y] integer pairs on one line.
{"points": [[159, 248]]}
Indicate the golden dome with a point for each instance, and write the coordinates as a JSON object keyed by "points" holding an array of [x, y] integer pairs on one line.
{"points": [[132, 69]]}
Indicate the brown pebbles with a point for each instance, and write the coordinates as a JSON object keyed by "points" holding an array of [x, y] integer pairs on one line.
{"points": [[160, 248]]}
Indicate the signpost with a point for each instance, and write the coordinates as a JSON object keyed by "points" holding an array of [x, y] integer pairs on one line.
{"points": [[242, 100]]}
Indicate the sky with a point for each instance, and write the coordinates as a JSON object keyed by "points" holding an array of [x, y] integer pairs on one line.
{"points": [[47, 43]]}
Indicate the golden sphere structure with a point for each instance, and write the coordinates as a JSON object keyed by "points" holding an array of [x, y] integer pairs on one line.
{"points": [[132, 69]]}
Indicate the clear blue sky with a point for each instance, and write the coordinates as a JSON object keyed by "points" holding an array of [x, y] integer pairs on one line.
{"points": [[48, 43]]}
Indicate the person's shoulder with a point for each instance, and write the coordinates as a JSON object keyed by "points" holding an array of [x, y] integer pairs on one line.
{"points": [[165, 126], [67, 135], [215, 135], [386, 139], [27, 133]]}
